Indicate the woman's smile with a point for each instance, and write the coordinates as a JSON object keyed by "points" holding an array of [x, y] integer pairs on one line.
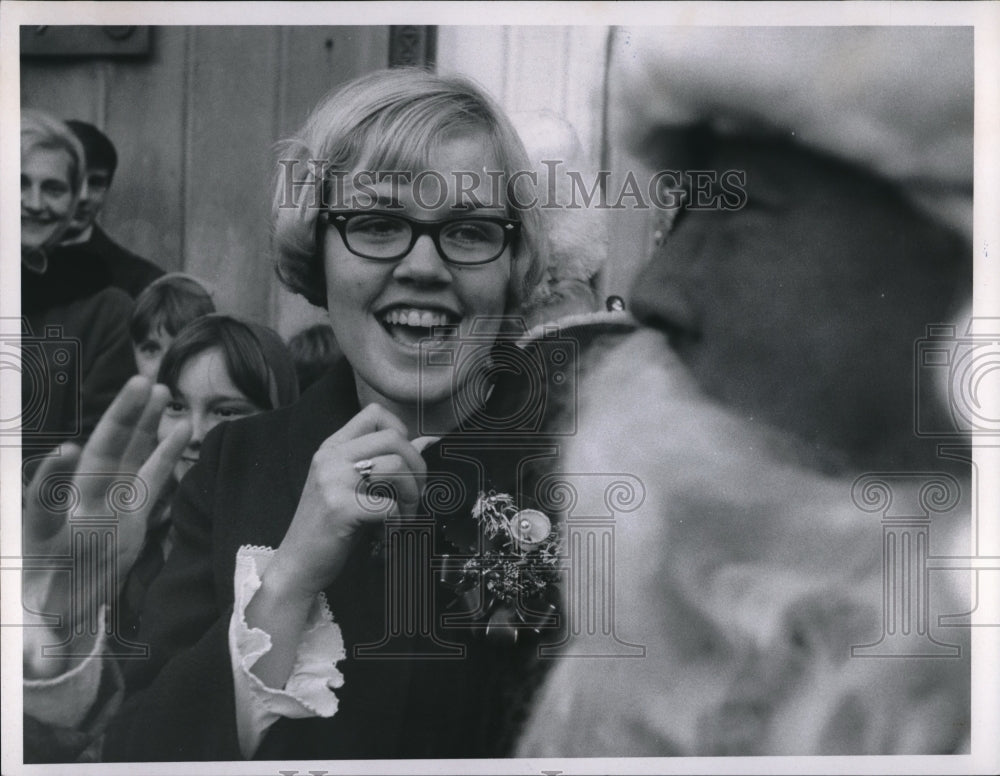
{"points": [[410, 324]]}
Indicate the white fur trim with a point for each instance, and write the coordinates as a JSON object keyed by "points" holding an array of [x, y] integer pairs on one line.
{"points": [[617, 317]]}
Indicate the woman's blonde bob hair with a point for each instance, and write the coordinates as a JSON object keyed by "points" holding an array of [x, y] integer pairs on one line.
{"points": [[392, 120], [41, 130]]}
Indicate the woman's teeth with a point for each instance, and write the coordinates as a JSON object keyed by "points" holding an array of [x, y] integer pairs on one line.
{"points": [[424, 319], [409, 326]]}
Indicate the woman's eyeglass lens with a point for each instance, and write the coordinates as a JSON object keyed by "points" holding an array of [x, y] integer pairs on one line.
{"points": [[389, 236]]}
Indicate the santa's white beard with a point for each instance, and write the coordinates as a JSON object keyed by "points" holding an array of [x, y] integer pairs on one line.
{"points": [[747, 578]]}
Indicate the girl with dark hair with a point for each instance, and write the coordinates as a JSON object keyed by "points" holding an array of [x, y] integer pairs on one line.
{"points": [[218, 369]]}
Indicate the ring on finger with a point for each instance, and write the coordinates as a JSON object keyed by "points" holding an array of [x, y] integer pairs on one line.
{"points": [[365, 468]]}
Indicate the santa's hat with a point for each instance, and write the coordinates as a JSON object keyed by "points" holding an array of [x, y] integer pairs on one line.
{"points": [[896, 100]]}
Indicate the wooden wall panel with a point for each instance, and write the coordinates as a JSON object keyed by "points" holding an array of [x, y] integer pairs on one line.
{"points": [[478, 53], [232, 86], [145, 118], [560, 69], [65, 88], [317, 59], [632, 229], [526, 68]]}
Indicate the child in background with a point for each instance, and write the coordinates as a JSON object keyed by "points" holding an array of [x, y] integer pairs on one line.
{"points": [[161, 311], [217, 369], [314, 351]]}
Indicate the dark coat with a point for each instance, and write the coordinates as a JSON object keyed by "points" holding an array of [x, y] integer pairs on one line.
{"points": [[76, 349], [126, 270], [244, 491]]}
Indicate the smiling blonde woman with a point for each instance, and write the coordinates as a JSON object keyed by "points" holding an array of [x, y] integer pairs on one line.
{"points": [[334, 644]]}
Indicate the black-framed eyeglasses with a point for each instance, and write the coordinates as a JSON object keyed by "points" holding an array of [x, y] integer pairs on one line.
{"points": [[385, 236]]}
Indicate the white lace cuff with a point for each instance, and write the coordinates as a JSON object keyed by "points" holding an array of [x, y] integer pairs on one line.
{"points": [[309, 690], [65, 700]]}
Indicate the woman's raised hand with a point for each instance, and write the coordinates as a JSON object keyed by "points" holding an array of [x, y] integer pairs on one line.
{"points": [[337, 500], [122, 451], [340, 497]]}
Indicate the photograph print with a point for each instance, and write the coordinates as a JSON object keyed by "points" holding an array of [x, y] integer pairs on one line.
{"points": [[527, 398]]}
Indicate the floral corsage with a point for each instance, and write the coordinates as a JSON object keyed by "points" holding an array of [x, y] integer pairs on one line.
{"points": [[511, 579]]}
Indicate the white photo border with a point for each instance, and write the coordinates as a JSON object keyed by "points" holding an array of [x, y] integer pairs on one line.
{"points": [[984, 17]]}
